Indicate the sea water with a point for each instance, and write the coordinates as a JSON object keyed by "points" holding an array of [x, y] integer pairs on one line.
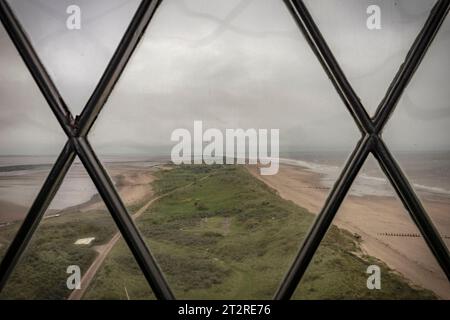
{"points": [[21, 177], [428, 172]]}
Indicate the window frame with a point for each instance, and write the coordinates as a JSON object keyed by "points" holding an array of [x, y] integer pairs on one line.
{"points": [[77, 131]]}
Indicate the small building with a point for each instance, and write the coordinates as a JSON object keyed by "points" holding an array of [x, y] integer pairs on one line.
{"points": [[84, 241]]}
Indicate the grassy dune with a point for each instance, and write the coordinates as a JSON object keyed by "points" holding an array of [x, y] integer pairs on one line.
{"points": [[41, 273], [229, 236]]}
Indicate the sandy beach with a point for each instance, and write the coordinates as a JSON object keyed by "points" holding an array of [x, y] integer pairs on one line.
{"points": [[382, 223], [385, 228], [133, 184]]}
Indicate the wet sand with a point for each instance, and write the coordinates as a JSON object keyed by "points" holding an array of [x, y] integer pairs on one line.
{"points": [[10, 212], [133, 184], [374, 219], [371, 217]]}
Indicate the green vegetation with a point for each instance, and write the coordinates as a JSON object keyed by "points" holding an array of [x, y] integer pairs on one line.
{"points": [[220, 233], [41, 273], [217, 232]]}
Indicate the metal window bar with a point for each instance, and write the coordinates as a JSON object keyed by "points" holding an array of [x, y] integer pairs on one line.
{"points": [[371, 142], [78, 129]]}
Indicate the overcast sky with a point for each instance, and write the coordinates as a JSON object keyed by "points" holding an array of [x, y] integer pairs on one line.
{"points": [[232, 64]]}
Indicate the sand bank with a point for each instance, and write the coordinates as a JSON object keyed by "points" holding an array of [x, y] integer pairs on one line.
{"points": [[372, 217], [132, 183]]}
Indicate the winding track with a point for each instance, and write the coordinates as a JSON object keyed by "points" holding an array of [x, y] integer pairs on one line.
{"points": [[103, 252], [105, 249]]}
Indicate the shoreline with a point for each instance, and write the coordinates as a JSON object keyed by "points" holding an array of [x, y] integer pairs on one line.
{"points": [[373, 218], [132, 183], [135, 189]]}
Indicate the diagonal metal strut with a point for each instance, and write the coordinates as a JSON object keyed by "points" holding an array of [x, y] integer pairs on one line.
{"points": [[78, 144], [371, 142]]}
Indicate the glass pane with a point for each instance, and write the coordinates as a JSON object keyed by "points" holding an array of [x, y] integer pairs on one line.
{"points": [[118, 276], [224, 231], [30, 140], [76, 231], [372, 228], [75, 39], [424, 152], [370, 39]]}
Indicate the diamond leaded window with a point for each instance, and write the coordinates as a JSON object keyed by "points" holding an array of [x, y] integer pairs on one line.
{"points": [[358, 108]]}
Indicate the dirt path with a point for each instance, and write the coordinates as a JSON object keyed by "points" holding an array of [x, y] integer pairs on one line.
{"points": [[103, 252], [105, 249], [226, 225]]}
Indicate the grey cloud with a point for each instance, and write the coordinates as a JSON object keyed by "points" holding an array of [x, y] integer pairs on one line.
{"points": [[238, 63]]}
